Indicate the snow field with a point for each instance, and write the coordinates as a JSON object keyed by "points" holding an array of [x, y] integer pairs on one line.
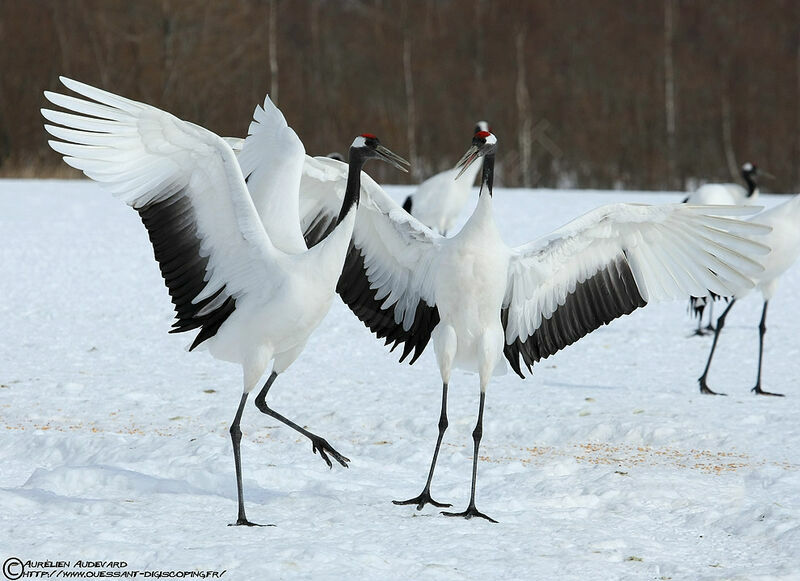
{"points": [[607, 463]]}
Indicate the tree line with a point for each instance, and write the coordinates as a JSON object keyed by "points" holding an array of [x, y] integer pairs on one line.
{"points": [[636, 94]]}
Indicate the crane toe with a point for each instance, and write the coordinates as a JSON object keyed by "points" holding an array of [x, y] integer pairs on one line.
{"points": [[322, 446], [702, 332], [421, 500], [758, 391], [706, 390], [469, 513], [243, 522]]}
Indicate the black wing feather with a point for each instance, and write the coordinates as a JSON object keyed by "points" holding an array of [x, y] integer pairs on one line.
{"points": [[597, 301], [176, 246], [354, 288], [318, 229]]}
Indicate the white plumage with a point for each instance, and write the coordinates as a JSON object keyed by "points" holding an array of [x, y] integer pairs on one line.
{"points": [[722, 194], [480, 300], [440, 199], [236, 265], [784, 240]]}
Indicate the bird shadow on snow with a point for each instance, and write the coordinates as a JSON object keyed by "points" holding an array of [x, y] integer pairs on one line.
{"points": [[588, 386], [103, 482]]}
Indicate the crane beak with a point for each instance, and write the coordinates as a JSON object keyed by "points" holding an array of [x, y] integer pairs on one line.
{"points": [[765, 174], [472, 154], [392, 158]]}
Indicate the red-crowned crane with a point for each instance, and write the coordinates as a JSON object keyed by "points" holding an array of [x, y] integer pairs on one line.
{"points": [[784, 240], [480, 300], [236, 266]]}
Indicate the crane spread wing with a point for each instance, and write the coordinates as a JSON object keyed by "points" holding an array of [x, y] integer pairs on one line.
{"points": [[616, 259], [272, 158], [387, 280], [185, 183]]}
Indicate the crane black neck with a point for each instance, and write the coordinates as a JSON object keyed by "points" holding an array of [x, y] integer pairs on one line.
{"points": [[353, 190], [487, 176], [751, 183]]}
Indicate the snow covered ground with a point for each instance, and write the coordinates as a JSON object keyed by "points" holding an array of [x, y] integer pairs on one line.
{"points": [[606, 464]]}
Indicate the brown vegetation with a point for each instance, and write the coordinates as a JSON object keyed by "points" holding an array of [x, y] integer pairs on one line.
{"points": [[589, 93]]}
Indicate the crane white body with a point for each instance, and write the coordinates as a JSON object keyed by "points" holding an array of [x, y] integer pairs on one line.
{"points": [[720, 194], [274, 324], [470, 337]]}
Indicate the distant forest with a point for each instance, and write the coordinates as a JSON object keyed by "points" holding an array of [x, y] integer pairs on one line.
{"points": [[635, 94]]}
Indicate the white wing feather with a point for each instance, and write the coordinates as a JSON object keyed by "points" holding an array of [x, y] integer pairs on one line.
{"points": [[272, 158], [144, 155], [673, 250]]}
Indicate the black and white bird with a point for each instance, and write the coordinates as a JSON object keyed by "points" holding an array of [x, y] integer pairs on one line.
{"points": [[236, 266], [722, 194], [729, 194], [784, 240], [480, 300], [439, 200]]}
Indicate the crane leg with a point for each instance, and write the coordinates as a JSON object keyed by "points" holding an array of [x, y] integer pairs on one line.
{"points": [[720, 324], [318, 444], [236, 438], [477, 433], [762, 329], [425, 496]]}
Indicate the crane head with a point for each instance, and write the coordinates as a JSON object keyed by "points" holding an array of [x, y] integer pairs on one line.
{"points": [[750, 172], [481, 126], [483, 143], [367, 146]]}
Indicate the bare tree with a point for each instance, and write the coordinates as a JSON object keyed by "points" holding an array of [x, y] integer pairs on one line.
{"points": [[524, 120], [573, 89], [273, 50], [480, 65], [411, 110], [797, 114], [727, 137], [669, 94]]}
